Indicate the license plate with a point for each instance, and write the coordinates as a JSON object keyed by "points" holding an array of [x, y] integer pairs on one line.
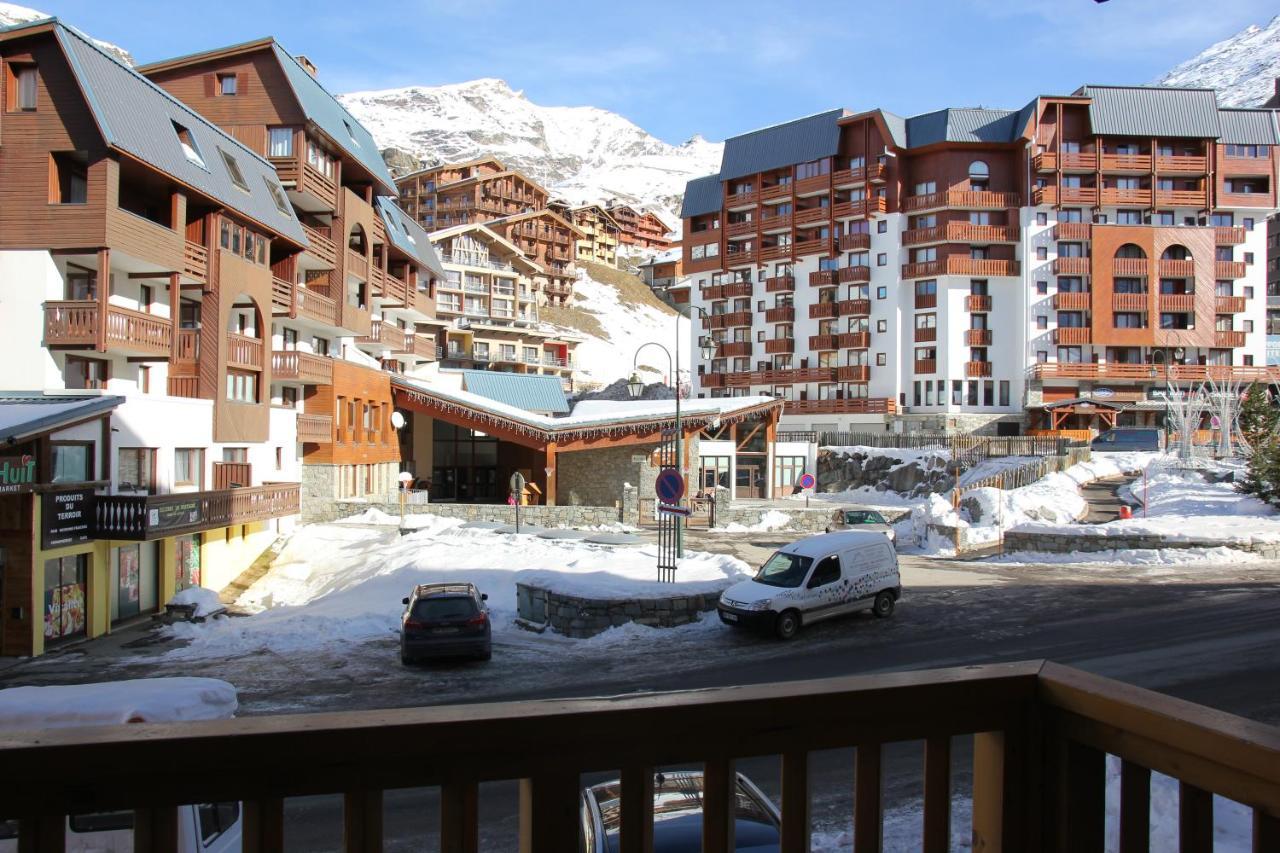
{"points": [[445, 630], [729, 617]]}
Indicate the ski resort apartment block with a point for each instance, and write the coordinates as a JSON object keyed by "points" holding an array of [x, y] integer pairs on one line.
{"points": [[1051, 267]]}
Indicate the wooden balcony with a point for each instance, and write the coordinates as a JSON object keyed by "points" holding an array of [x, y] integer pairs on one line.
{"points": [[384, 335], [1129, 267], [812, 216], [924, 335], [711, 380], [975, 200], [1258, 166], [975, 302], [922, 269], [1176, 269], [841, 406], [421, 347], [1064, 301], [815, 184], [1045, 161], [1072, 231], [75, 324], [823, 277], [357, 265], [962, 265], [1056, 195], [822, 342], [738, 229], [731, 349], [282, 297], [854, 242], [1228, 339], [727, 320], [1181, 164], [1155, 372], [187, 348], [819, 246], [1177, 303], [849, 209], [774, 253], [780, 284], [853, 373], [926, 300], [1256, 200], [774, 346], [1113, 195], [745, 199], [775, 191], [1070, 266], [316, 306], [853, 308], [977, 368], [195, 261], [1182, 198], [727, 291], [925, 365], [1130, 302], [1229, 269], [782, 376], [320, 245], [145, 518], [1228, 304], [848, 177], [977, 337], [1126, 162], [854, 274], [780, 314], [966, 232], [1069, 335], [737, 259], [315, 429], [853, 340], [302, 367], [822, 310], [244, 352], [1074, 161], [1228, 235], [232, 475]]}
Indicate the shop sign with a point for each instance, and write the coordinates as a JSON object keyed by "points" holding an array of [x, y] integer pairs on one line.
{"points": [[17, 473], [172, 515], [66, 518]]}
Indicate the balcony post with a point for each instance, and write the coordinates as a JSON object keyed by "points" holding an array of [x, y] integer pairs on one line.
{"points": [[175, 301], [263, 825], [1002, 782], [937, 794], [459, 817], [155, 830], [549, 812], [550, 496], [636, 833], [719, 783], [362, 822], [104, 297], [795, 801], [42, 833], [868, 801]]}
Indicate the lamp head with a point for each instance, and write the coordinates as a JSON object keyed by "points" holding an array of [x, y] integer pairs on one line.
{"points": [[635, 386]]}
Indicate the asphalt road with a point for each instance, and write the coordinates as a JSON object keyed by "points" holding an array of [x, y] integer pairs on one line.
{"points": [[1200, 632]]}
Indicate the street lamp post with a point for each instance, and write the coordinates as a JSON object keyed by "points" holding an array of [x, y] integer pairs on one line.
{"points": [[635, 387]]}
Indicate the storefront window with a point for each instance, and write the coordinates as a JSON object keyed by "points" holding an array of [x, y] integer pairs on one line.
{"points": [[715, 472], [786, 471], [187, 561], [129, 582], [64, 597]]}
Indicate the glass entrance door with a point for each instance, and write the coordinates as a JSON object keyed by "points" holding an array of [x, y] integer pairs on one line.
{"points": [[64, 597], [128, 582], [747, 482]]}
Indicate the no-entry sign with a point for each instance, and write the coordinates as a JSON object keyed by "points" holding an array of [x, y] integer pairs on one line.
{"points": [[669, 485]]}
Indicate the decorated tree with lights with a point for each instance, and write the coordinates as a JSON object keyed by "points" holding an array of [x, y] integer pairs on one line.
{"points": [[1259, 420]]}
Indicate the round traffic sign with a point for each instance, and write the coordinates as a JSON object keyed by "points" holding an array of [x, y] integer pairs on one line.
{"points": [[669, 486], [807, 481], [517, 483]]}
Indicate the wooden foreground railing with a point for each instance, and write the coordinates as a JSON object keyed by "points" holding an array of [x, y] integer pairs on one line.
{"points": [[1040, 736]]}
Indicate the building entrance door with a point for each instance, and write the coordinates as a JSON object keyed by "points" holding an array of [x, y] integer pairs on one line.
{"points": [[747, 482]]}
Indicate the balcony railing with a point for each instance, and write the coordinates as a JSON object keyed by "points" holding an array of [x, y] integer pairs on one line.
{"points": [[853, 307], [822, 310], [1130, 302], [1181, 163], [357, 265], [316, 306], [1177, 302], [1115, 195], [742, 199], [421, 346], [735, 259], [926, 300], [926, 334], [854, 274], [737, 229], [727, 320], [1229, 269], [822, 277], [321, 245], [961, 265], [776, 252], [304, 367], [1070, 266], [1126, 162], [1228, 339], [1176, 269], [244, 351], [774, 346], [841, 406], [812, 215], [1074, 161], [317, 429], [149, 517], [1072, 231], [74, 323], [977, 302], [977, 368], [854, 242], [1071, 335], [781, 314], [1064, 301], [1228, 304], [732, 349], [853, 340], [1129, 267], [780, 284], [1155, 372], [1054, 194], [1228, 235], [926, 365], [853, 373], [978, 200], [977, 337], [773, 223], [1181, 198], [195, 261]]}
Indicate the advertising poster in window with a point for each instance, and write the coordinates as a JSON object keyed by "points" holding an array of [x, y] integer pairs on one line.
{"points": [[129, 589], [64, 597], [188, 561]]}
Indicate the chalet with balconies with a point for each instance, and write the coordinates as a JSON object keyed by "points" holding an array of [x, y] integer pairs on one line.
{"points": [[137, 244], [641, 228], [599, 242], [461, 193], [946, 264], [550, 241]]}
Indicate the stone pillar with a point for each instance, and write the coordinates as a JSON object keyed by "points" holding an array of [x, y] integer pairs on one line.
{"points": [[630, 504]]}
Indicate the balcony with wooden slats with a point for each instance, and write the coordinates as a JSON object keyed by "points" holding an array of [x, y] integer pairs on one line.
{"points": [[849, 209], [775, 191], [1072, 231], [321, 245], [314, 305], [302, 367], [1054, 194], [774, 346], [1071, 335], [977, 368], [282, 297], [1176, 268], [1065, 301], [711, 380], [968, 232], [1130, 302], [925, 335], [74, 324], [822, 311], [1126, 162], [841, 406], [1155, 372], [853, 373], [814, 246], [1129, 267], [780, 284], [1228, 304], [357, 265], [1177, 303], [775, 252], [922, 269], [853, 308], [925, 365], [1182, 198], [1254, 200], [812, 216], [858, 273], [963, 265], [244, 352], [977, 337], [315, 429], [743, 199], [147, 518], [195, 261], [1245, 166], [732, 349], [739, 229], [780, 376], [977, 302], [1228, 339], [1182, 164], [970, 199], [853, 340], [926, 300], [740, 258], [780, 314], [1229, 269], [1226, 235], [727, 320], [812, 185], [1070, 266], [820, 278], [1115, 195], [822, 342], [854, 242], [777, 222]]}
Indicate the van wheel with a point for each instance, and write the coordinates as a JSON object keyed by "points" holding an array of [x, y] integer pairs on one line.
{"points": [[788, 624], [883, 605]]}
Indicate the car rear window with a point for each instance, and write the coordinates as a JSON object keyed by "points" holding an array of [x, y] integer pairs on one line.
{"points": [[443, 609]]}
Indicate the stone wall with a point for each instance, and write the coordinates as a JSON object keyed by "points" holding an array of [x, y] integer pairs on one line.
{"points": [[885, 469], [576, 616], [595, 477], [816, 519], [542, 516], [959, 423], [1063, 543]]}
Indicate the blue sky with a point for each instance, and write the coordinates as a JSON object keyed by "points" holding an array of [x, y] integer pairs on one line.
{"points": [[714, 67]]}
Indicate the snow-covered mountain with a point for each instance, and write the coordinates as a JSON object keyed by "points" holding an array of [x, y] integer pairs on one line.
{"points": [[582, 154], [11, 14], [1242, 68]]}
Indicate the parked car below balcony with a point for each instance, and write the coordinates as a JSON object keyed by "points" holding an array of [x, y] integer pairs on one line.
{"points": [[443, 620]]}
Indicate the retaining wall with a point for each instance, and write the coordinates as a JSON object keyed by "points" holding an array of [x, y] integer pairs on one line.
{"points": [[576, 616], [1065, 543]]}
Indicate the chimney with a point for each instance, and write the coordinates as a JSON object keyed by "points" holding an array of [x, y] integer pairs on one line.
{"points": [[307, 64]]}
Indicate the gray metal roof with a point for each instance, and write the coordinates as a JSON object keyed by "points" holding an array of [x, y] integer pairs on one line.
{"points": [[408, 235], [1247, 127], [26, 413], [701, 195], [138, 117], [897, 127], [332, 117], [541, 394], [1152, 111], [799, 141], [962, 125]]}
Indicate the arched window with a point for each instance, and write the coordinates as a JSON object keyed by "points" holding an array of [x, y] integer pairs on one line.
{"points": [[1130, 250], [978, 171], [244, 317], [1176, 252], [356, 241]]}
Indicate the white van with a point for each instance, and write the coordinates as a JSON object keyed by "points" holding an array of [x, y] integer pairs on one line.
{"points": [[202, 828], [814, 579]]}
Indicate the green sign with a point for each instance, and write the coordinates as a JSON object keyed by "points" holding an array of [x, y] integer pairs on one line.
{"points": [[17, 473]]}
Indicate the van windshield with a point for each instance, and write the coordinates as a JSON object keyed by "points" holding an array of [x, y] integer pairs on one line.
{"points": [[784, 570]]}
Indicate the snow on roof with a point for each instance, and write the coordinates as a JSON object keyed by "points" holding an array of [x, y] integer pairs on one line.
{"points": [[25, 413], [141, 700]]}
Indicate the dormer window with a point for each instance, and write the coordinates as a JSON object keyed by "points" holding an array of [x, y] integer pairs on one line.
{"points": [[233, 170], [227, 84], [350, 132], [188, 144], [277, 195]]}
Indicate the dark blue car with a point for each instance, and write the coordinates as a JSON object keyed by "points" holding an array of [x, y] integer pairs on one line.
{"points": [[445, 620]]}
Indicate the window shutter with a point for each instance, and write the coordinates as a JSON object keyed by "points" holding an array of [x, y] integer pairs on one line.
{"points": [[210, 85], [242, 83]]}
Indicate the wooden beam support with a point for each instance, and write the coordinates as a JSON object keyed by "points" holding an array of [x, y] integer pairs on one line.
{"points": [[868, 811], [362, 822], [1135, 808], [175, 305], [549, 812], [155, 830], [103, 296], [937, 794], [795, 801], [636, 833], [719, 781], [551, 473], [1195, 819], [459, 817], [263, 825]]}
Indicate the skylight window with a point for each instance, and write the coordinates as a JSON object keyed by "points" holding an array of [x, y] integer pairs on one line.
{"points": [[350, 132], [233, 169], [277, 195], [188, 143]]}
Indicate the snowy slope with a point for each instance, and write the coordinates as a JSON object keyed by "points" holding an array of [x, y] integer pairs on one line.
{"points": [[1242, 68], [11, 14], [583, 154]]}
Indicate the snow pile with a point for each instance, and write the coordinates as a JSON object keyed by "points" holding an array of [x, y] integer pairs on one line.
{"points": [[141, 700], [1129, 557], [338, 584], [582, 154], [770, 520], [1243, 68], [206, 601], [626, 326]]}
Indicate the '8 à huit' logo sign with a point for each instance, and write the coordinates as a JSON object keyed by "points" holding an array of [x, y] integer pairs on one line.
{"points": [[17, 472]]}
